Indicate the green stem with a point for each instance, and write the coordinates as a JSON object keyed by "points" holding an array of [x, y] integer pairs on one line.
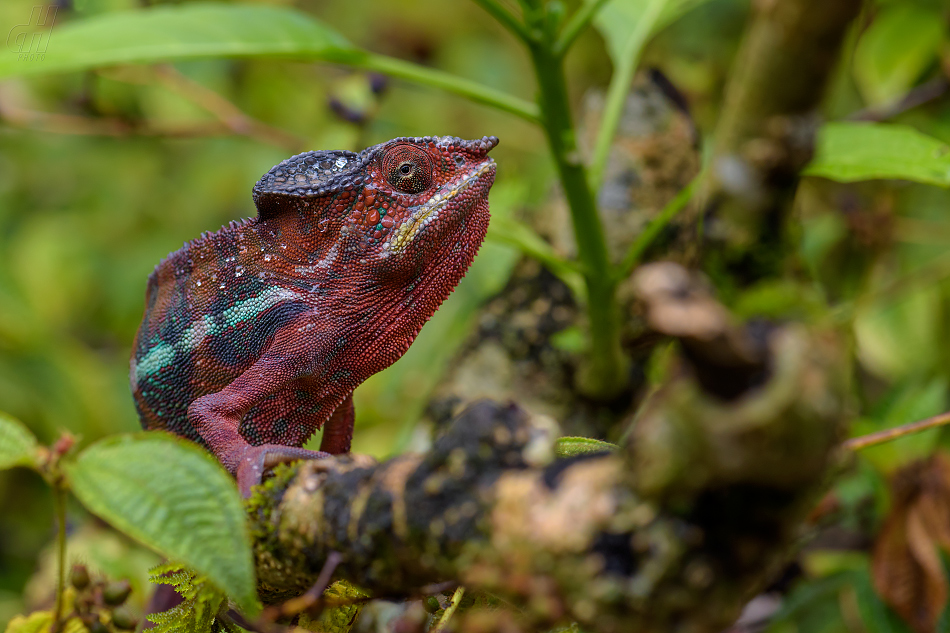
{"points": [[439, 626], [657, 224], [438, 79], [578, 22], [619, 87], [505, 18], [59, 502], [605, 374]]}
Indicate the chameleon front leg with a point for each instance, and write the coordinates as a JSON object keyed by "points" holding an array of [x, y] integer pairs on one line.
{"points": [[338, 432], [217, 416]]}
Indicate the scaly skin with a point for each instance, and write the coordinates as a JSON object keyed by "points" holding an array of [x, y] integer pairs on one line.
{"points": [[256, 336]]}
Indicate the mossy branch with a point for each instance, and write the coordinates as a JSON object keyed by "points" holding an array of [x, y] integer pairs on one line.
{"points": [[635, 540]]}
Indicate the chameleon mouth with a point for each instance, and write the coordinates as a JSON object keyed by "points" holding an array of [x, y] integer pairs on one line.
{"points": [[428, 213]]}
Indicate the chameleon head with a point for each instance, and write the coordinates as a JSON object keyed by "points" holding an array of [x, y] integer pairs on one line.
{"points": [[424, 199], [393, 211]]}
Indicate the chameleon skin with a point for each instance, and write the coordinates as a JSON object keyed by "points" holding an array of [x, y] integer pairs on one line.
{"points": [[254, 337]]}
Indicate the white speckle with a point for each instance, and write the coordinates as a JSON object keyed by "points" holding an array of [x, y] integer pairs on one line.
{"points": [[340, 162], [267, 257], [238, 271], [197, 282]]}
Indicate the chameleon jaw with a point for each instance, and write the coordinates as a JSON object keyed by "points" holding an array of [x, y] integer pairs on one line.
{"points": [[429, 211]]}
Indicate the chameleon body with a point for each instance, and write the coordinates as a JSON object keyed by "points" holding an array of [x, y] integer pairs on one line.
{"points": [[255, 336]]}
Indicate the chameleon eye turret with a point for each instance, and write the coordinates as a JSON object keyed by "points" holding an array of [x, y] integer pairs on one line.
{"points": [[255, 336]]}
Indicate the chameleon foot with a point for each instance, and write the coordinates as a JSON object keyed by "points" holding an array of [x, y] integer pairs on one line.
{"points": [[257, 459]]}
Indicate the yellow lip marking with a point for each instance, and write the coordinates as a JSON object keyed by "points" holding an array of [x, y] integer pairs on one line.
{"points": [[411, 227]]}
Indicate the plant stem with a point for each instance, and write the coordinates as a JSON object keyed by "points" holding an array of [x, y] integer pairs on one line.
{"points": [[443, 622], [59, 501], [438, 79], [643, 241], [619, 86], [505, 18], [605, 373], [576, 25]]}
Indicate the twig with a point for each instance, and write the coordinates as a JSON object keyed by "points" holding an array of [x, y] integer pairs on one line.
{"points": [[576, 25], [225, 111], [312, 598], [504, 17], [59, 495], [439, 627], [666, 215], [857, 443], [916, 97], [452, 83]]}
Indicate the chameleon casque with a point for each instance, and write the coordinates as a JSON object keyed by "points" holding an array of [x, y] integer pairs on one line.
{"points": [[255, 336]]}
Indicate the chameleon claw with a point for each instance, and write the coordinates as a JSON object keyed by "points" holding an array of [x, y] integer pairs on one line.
{"points": [[257, 459]]}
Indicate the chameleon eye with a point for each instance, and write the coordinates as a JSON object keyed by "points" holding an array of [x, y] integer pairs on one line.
{"points": [[407, 168]]}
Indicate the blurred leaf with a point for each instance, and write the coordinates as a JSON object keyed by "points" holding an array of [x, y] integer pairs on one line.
{"points": [[899, 45], [849, 152], [196, 30], [220, 30], [574, 446], [41, 622], [506, 230], [908, 572], [812, 606], [17, 444], [175, 498], [617, 20]]}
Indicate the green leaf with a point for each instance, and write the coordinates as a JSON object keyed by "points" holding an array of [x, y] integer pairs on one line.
{"points": [[616, 22], [176, 499], [219, 30], [849, 152], [902, 42], [574, 446], [184, 32], [17, 444]]}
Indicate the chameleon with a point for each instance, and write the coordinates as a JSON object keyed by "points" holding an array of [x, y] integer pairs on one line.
{"points": [[255, 336]]}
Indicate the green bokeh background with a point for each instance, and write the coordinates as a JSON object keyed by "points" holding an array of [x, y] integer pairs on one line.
{"points": [[85, 217]]}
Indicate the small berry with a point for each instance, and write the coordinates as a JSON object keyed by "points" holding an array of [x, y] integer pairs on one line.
{"points": [[116, 593], [79, 577], [122, 619]]}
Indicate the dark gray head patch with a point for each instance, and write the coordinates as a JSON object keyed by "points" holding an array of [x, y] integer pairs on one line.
{"points": [[310, 174]]}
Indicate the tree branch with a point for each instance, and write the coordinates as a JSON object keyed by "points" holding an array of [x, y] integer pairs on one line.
{"points": [[637, 540]]}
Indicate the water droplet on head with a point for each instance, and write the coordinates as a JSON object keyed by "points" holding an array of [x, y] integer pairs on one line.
{"points": [[340, 162], [323, 224]]}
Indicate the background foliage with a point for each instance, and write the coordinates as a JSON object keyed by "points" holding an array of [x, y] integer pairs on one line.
{"points": [[103, 172]]}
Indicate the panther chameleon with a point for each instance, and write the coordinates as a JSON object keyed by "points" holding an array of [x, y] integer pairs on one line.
{"points": [[255, 336]]}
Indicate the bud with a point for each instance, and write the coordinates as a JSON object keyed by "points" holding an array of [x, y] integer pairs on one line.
{"points": [[122, 619], [115, 593], [79, 577]]}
